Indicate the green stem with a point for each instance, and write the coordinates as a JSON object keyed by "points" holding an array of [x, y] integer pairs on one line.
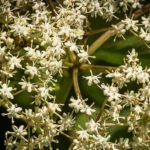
{"points": [[67, 64], [69, 137], [101, 109], [116, 125], [75, 83], [18, 92], [72, 57], [97, 68], [97, 31], [100, 41], [29, 137]]}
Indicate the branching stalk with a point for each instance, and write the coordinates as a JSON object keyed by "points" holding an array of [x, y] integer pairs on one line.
{"points": [[116, 125], [75, 83], [97, 31], [72, 57], [97, 68], [101, 109], [29, 137], [100, 41]]}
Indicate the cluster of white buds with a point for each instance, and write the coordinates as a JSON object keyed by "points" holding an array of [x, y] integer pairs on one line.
{"points": [[38, 44]]}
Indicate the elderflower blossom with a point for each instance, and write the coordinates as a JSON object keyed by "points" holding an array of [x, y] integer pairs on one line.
{"points": [[5, 91], [79, 105], [31, 70], [130, 24], [120, 30], [83, 56], [36, 49], [111, 92], [26, 85], [83, 135], [92, 126], [137, 101], [93, 79], [19, 132], [14, 62], [13, 112], [76, 104]]}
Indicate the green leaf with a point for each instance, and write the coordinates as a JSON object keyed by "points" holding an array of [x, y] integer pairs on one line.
{"points": [[93, 93], [65, 86], [111, 58], [24, 99], [112, 53]]}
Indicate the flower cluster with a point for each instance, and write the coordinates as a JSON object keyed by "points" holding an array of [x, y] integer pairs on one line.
{"points": [[79, 105], [38, 47], [119, 98], [136, 100], [33, 47], [107, 9]]}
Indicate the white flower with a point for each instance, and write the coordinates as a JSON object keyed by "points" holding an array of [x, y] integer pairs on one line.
{"points": [[52, 107], [13, 111], [120, 30], [132, 57], [79, 105], [115, 111], [83, 135], [20, 29], [19, 132], [118, 77], [93, 79], [2, 51], [130, 24], [101, 139], [143, 76], [65, 30], [111, 91], [56, 41], [145, 92], [44, 92], [137, 109], [72, 46], [125, 143], [92, 126], [87, 110], [14, 62], [55, 66], [27, 85], [144, 35], [31, 70], [131, 98], [146, 22], [5, 91], [31, 52], [76, 104], [66, 122], [84, 56]]}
